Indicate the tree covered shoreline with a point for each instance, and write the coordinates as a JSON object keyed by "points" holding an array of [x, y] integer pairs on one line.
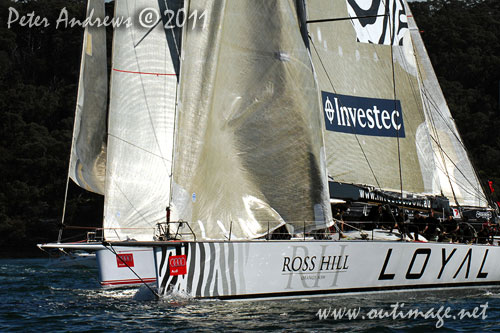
{"points": [[39, 68]]}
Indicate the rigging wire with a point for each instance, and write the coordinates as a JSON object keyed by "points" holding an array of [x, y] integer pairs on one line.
{"points": [[176, 113], [427, 101], [441, 151], [61, 228], [430, 117], [431, 104], [144, 91], [453, 131], [416, 96], [463, 187], [391, 32], [112, 250], [478, 193], [436, 108]]}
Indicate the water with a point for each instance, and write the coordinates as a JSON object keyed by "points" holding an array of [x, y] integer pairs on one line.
{"points": [[34, 297]]}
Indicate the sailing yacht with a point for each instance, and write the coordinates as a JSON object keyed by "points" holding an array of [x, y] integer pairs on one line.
{"points": [[228, 142], [122, 148]]}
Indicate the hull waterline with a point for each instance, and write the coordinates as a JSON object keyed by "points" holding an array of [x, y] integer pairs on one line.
{"points": [[269, 269]]}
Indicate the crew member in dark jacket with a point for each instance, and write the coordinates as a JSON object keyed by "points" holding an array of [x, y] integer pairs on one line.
{"points": [[451, 230], [432, 228]]}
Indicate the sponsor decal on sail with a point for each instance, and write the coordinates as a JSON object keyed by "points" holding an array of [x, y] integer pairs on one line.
{"points": [[378, 22], [362, 115]]}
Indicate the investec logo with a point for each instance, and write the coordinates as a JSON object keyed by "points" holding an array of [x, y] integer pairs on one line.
{"points": [[362, 115]]}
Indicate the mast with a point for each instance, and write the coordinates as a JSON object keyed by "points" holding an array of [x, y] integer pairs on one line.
{"points": [[186, 5], [302, 15]]}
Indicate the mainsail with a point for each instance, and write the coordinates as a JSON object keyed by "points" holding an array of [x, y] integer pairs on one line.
{"points": [[141, 123], [88, 150], [454, 175], [249, 149], [386, 126], [371, 101]]}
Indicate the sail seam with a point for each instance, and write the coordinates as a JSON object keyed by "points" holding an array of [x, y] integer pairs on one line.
{"points": [[136, 146], [345, 18], [143, 73], [153, 128], [131, 205], [460, 171]]}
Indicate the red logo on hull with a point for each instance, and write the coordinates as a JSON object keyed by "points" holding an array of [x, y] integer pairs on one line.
{"points": [[125, 260], [177, 265]]}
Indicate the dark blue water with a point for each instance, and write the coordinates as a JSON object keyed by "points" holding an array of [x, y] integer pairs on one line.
{"points": [[34, 297]]}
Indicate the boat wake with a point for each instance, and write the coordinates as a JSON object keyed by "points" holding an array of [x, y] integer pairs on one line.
{"points": [[176, 298], [150, 293]]}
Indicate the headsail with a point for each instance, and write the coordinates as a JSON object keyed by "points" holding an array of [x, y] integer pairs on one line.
{"points": [[141, 123], [249, 153], [88, 150], [454, 174]]}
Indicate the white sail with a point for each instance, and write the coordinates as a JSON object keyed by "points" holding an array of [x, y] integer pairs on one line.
{"points": [[141, 124], [88, 150], [453, 173], [249, 154]]}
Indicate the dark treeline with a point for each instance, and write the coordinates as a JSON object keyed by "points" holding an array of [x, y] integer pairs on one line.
{"points": [[463, 42], [39, 79], [39, 68]]}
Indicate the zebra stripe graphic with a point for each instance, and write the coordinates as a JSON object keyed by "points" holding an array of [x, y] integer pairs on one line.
{"points": [[378, 21], [211, 269]]}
